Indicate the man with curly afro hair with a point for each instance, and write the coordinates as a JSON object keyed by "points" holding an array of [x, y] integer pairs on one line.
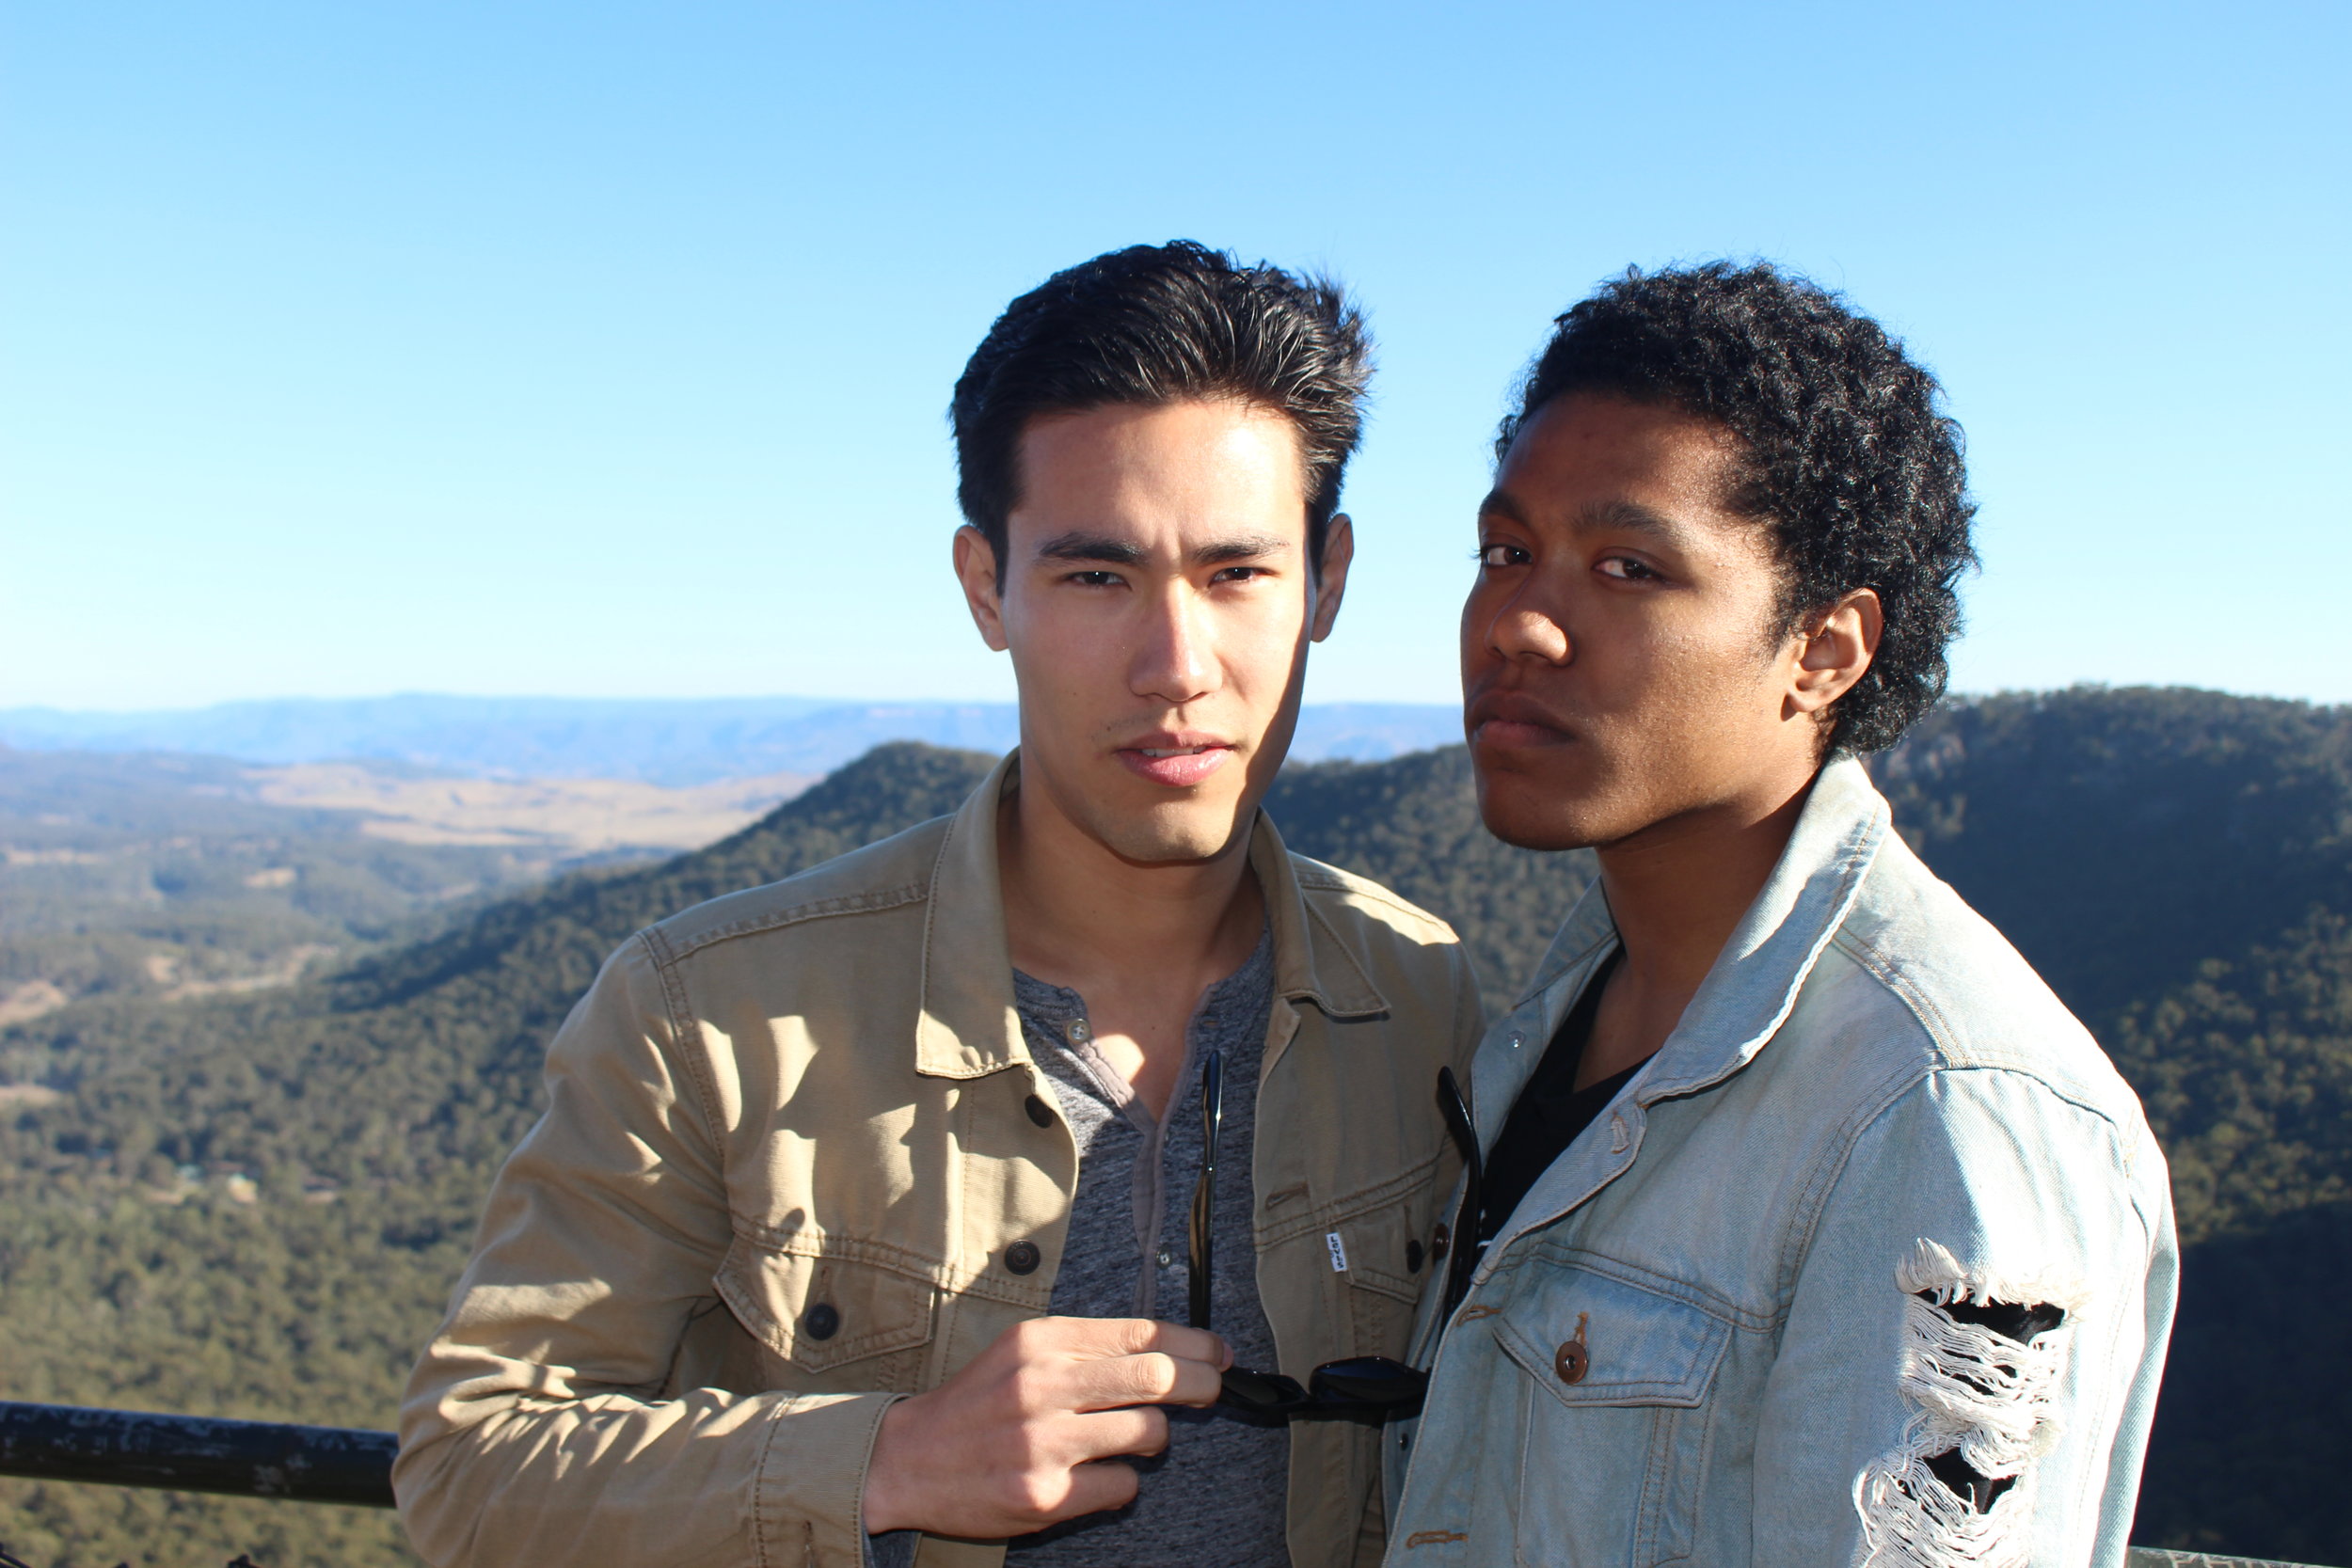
{"points": [[1801, 1223]]}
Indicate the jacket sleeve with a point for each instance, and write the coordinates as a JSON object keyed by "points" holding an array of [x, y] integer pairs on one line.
{"points": [[537, 1430], [1914, 1418]]}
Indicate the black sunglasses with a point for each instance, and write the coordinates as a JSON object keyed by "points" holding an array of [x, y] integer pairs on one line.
{"points": [[1462, 1256], [1361, 1386]]}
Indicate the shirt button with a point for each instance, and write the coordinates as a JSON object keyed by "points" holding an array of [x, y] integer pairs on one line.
{"points": [[1517, 1040], [1168, 1259], [1038, 1111], [1439, 1243], [1078, 1032], [1022, 1258], [1571, 1361], [823, 1322]]}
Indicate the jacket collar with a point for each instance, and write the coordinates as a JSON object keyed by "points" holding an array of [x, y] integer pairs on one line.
{"points": [[969, 1027], [1744, 999], [1753, 987], [1755, 981], [1310, 962]]}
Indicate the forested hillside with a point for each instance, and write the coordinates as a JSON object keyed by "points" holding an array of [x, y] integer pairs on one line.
{"points": [[174, 876], [145, 875], [253, 1206]]}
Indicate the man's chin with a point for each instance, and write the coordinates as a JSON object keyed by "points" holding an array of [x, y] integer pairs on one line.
{"points": [[1173, 834], [1526, 814]]}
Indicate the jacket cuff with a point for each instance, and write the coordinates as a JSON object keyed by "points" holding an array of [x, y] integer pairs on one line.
{"points": [[808, 1506]]}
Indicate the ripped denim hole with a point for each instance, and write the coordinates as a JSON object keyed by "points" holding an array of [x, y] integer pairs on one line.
{"points": [[1982, 1354]]}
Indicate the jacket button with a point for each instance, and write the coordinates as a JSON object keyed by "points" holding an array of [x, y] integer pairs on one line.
{"points": [[1439, 1240], [1572, 1361], [822, 1321], [1412, 1256], [1022, 1258], [1038, 1111]]}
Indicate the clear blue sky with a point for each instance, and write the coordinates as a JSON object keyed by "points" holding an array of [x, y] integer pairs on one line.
{"points": [[599, 349]]}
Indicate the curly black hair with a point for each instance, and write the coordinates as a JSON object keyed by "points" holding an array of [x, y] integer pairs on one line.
{"points": [[1154, 324], [1848, 457]]}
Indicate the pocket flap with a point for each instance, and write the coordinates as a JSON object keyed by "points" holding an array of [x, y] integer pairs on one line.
{"points": [[818, 1312], [1638, 1345]]}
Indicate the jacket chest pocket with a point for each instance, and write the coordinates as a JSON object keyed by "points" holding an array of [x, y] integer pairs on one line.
{"points": [[1382, 1262], [1617, 1414], [832, 1323]]}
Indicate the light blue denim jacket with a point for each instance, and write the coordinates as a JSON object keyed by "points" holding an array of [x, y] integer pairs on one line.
{"points": [[1871, 1109]]}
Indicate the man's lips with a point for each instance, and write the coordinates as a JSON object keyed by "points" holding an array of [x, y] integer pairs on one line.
{"points": [[1176, 761], [1511, 720]]}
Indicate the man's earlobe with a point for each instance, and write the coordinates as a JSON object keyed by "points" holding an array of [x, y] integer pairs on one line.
{"points": [[975, 569]]}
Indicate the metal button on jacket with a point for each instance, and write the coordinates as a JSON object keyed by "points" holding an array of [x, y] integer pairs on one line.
{"points": [[1022, 1258], [1038, 1111], [822, 1322], [1412, 1256]]}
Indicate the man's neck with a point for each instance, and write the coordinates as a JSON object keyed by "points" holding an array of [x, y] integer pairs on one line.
{"points": [[1677, 891], [1139, 943]]}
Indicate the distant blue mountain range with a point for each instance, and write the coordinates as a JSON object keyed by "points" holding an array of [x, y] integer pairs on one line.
{"points": [[666, 742]]}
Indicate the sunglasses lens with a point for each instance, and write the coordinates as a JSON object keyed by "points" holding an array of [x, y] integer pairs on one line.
{"points": [[1370, 1380], [1261, 1392]]}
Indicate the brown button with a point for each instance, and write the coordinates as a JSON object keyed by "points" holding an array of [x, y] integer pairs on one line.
{"points": [[1022, 1258], [1572, 1360], [1439, 1243], [1413, 1255], [1038, 1111]]}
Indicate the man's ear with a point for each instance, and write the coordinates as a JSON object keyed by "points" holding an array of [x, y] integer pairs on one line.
{"points": [[975, 568], [1339, 551], [1833, 650]]}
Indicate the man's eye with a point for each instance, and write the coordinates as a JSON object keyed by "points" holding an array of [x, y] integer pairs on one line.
{"points": [[1095, 579], [1239, 574], [1623, 568], [1494, 557]]}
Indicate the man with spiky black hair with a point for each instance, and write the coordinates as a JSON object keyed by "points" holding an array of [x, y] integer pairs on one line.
{"points": [[911, 1208], [1802, 1225]]}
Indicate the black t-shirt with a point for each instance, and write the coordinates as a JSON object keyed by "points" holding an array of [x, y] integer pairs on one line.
{"points": [[1549, 1112]]}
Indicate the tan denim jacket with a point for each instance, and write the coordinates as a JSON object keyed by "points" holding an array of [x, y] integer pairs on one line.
{"points": [[815, 1094]]}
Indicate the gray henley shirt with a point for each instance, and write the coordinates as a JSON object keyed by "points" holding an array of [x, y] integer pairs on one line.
{"points": [[1215, 1498]]}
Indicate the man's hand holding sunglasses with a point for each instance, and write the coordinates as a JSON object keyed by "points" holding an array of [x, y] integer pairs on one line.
{"points": [[1011, 1444]]}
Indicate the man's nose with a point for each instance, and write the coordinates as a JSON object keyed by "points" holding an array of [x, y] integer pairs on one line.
{"points": [[1524, 631], [1175, 659]]}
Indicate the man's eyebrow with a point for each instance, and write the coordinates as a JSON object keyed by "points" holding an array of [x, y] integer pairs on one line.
{"points": [[1090, 547], [1502, 503], [1633, 516], [1246, 548], [1619, 514], [1078, 546]]}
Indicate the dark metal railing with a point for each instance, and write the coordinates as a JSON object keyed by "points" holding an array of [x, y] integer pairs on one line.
{"points": [[198, 1454]]}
